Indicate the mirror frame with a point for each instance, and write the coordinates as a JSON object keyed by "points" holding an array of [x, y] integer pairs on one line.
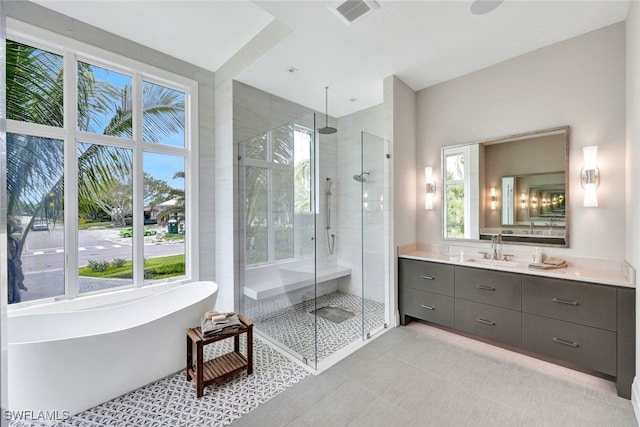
{"points": [[483, 204]]}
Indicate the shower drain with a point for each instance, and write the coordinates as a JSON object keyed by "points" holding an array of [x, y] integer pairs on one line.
{"points": [[334, 313]]}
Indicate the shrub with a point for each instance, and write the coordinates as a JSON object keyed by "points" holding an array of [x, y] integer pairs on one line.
{"points": [[98, 264], [119, 262]]}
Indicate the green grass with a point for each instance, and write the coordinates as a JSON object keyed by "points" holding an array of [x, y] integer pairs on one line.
{"points": [[154, 268], [172, 237], [86, 225]]}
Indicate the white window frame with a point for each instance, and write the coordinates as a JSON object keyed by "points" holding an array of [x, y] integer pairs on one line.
{"points": [[270, 166], [73, 51]]}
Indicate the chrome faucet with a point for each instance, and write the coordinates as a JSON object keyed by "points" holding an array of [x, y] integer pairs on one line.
{"points": [[531, 224]]}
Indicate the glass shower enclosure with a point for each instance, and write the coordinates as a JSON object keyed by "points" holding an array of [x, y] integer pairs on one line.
{"points": [[308, 232]]}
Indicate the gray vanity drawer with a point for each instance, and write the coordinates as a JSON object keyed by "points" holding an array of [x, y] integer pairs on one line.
{"points": [[589, 347], [586, 304], [496, 323], [428, 306], [426, 276], [489, 287]]}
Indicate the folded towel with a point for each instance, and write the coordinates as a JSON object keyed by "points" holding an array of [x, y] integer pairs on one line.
{"points": [[231, 324], [555, 261], [546, 266]]}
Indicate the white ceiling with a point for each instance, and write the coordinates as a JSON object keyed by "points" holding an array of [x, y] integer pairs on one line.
{"points": [[422, 42]]}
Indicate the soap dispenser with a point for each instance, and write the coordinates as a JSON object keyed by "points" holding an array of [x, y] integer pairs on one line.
{"points": [[537, 256]]}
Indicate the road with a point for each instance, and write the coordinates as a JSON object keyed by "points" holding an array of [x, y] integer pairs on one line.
{"points": [[44, 251], [43, 258]]}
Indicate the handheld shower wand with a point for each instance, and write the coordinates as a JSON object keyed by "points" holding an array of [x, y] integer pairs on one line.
{"points": [[331, 238]]}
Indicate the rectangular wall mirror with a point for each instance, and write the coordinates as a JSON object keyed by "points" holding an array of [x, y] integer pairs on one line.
{"points": [[516, 186]]}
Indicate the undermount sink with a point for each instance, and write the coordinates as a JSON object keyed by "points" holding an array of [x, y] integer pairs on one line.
{"points": [[493, 262]]}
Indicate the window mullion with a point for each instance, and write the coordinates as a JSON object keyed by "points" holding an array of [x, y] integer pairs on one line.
{"points": [[71, 238], [271, 233], [138, 183]]}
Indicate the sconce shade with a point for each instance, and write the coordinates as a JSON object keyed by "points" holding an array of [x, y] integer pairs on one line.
{"points": [[590, 176], [590, 156], [590, 196], [494, 198], [430, 187]]}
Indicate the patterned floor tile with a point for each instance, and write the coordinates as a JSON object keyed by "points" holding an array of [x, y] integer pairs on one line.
{"points": [[172, 401]]}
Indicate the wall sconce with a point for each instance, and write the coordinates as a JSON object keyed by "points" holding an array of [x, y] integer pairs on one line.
{"points": [[430, 187], [590, 176], [523, 201], [494, 198]]}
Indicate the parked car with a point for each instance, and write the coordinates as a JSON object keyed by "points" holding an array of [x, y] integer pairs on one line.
{"points": [[128, 232], [40, 225]]}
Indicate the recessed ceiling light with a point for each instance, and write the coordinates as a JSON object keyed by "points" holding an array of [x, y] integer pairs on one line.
{"points": [[292, 69], [480, 7]]}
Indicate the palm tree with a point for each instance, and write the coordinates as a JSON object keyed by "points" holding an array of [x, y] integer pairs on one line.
{"points": [[35, 172]]}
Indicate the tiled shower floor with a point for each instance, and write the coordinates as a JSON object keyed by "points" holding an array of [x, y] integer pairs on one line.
{"points": [[295, 326]]}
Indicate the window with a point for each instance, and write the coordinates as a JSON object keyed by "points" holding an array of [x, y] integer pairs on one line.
{"points": [[99, 171], [454, 193], [461, 189], [279, 202]]}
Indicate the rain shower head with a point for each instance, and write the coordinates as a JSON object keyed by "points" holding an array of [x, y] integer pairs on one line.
{"points": [[326, 130], [361, 177]]}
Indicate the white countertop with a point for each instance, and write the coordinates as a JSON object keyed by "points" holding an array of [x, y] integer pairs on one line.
{"points": [[604, 272]]}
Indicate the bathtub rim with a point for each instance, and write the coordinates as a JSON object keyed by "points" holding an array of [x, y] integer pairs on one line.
{"points": [[92, 300], [110, 306]]}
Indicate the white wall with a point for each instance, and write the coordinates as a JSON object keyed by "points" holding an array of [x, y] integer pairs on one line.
{"points": [[400, 130], [633, 158], [228, 272], [351, 158], [579, 82]]}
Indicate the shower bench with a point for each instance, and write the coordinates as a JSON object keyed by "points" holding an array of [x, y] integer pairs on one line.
{"points": [[267, 281]]}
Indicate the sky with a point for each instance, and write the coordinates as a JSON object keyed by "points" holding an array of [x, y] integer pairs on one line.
{"points": [[160, 166]]}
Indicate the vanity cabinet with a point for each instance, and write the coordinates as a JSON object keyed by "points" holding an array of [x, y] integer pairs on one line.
{"points": [[571, 321], [585, 324], [497, 288], [580, 345], [487, 304], [582, 303], [496, 323], [426, 292]]}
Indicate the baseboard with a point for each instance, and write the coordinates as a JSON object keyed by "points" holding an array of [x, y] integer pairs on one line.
{"points": [[635, 397]]}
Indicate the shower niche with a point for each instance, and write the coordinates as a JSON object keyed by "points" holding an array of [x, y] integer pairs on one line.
{"points": [[312, 239]]}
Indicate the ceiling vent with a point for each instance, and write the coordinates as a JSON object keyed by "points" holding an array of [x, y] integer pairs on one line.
{"points": [[352, 10]]}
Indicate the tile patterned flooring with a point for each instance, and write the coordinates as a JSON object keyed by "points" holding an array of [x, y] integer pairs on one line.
{"points": [[418, 375], [172, 401], [415, 375], [295, 326]]}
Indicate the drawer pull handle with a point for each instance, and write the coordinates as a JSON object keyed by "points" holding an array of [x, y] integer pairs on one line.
{"points": [[427, 277], [561, 341], [486, 288], [486, 322], [428, 307], [564, 301]]}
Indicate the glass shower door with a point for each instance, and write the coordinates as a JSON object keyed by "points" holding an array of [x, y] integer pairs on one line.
{"points": [[374, 232], [277, 236]]}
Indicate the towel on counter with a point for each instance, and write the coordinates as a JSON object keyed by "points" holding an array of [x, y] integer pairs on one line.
{"points": [[230, 324], [549, 264]]}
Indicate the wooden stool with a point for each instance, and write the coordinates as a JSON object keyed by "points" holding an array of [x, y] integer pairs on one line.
{"points": [[222, 367]]}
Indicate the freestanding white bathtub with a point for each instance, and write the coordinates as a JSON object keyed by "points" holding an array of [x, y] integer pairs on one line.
{"points": [[74, 360]]}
